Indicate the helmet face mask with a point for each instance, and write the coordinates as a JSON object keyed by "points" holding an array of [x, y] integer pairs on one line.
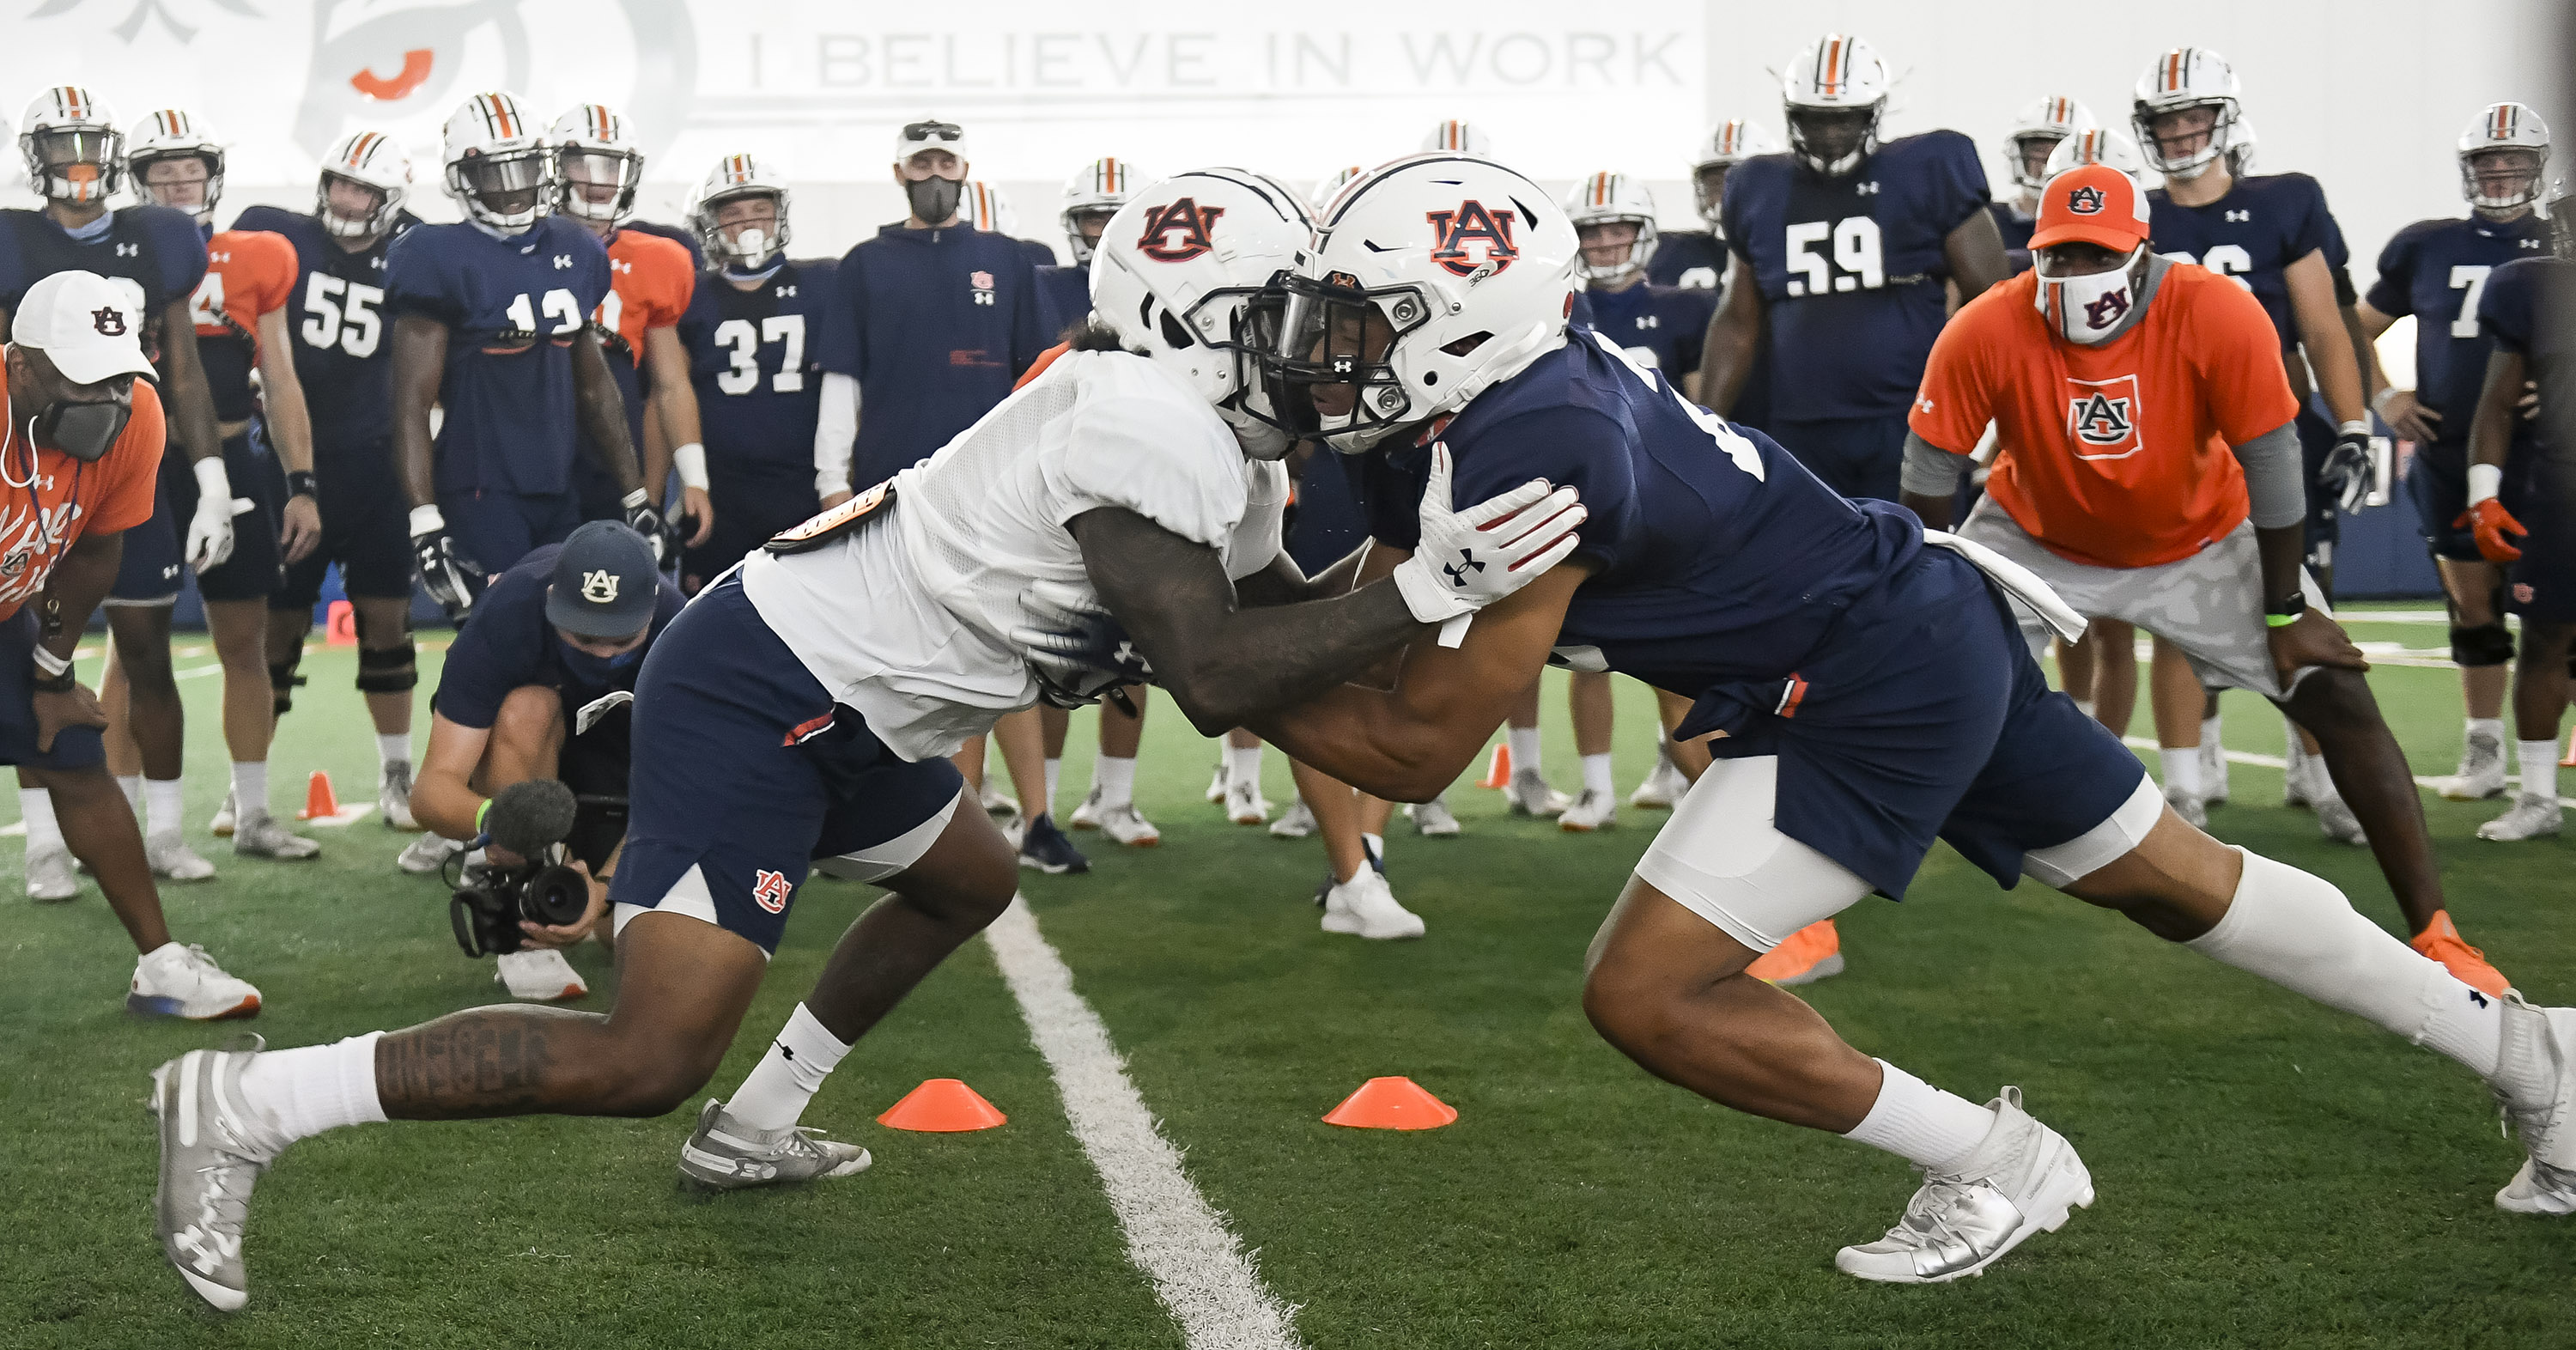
{"points": [[1328, 345], [508, 185], [75, 164], [2030, 152], [366, 206], [2182, 142], [1833, 141], [598, 184], [190, 181], [1091, 197], [499, 167]]}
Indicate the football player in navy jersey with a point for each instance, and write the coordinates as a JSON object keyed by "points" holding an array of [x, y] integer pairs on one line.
{"points": [[492, 324], [75, 160], [1091, 197], [2435, 270], [988, 208], [1696, 259], [1844, 254], [1873, 689], [2034, 137], [749, 334]]}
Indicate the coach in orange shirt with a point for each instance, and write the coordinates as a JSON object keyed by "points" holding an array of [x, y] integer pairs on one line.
{"points": [[2148, 469]]}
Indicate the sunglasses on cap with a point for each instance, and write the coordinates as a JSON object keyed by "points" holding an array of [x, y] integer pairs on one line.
{"points": [[933, 131]]}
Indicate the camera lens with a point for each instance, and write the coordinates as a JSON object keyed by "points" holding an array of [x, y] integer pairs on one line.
{"points": [[555, 896]]}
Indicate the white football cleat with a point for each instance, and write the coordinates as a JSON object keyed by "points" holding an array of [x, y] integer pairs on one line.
{"points": [[173, 860], [1531, 796], [1127, 826], [393, 796], [1594, 810], [50, 878], [2481, 772], [997, 802], [2023, 1178], [726, 1154], [2213, 772], [1433, 819], [257, 834], [2532, 817], [1662, 788], [2296, 790], [221, 826], [1216, 785], [1244, 804], [1365, 906], [424, 856], [213, 1148], [177, 981], [539, 975], [1087, 815], [2191, 806], [2336, 820], [1296, 823], [2539, 1046]]}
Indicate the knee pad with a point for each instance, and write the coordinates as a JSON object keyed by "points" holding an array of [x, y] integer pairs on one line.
{"points": [[388, 670], [283, 681], [2488, 644]]}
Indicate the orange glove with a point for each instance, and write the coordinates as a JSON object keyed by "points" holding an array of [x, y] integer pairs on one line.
{"points": [[2492, 523]]}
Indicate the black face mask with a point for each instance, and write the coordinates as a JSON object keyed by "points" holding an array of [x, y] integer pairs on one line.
{"points": [[83, 431], [933, 200]]}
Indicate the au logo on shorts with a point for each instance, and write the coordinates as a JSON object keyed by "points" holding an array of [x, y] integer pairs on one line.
{"points": [[770, 890], [2101, 417]]}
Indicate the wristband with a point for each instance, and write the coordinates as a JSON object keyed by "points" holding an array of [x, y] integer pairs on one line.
{"points": [[2281, 620], [480, 812], [639, 497], [59, 684], [212, 485], [2485, 482], [2353, 428], [51, 664], [426, 520], [302, 484], [2379, 404], [690, 462]]}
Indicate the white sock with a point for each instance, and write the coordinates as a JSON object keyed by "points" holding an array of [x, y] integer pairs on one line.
{"points": [[2492, 726], [132, 787], [1596, 775], [1919, 1122], [2181, 769], [313, 1088], [165, 806], [1116, 779], [786, 1078], [2540, 768], [250, 788], [2084, 706], [36, 806], [1243, 765], [1375, 844], [1524, 743], [393, 749], [1054, 775], [2300, 933], [2209, 729]]}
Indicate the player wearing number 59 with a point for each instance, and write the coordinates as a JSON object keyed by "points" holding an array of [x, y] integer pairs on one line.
{"points": [[492, 323]]}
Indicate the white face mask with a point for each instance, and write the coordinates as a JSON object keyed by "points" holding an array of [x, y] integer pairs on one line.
{"points": [[2090, 309]]}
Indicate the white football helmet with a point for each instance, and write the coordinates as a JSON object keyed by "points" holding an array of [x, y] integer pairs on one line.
{"points": [[592, 148], [1838, 74], [370, 159], [2504, 126], [750, 249], [1728, 144], [71, 146], [2186, 77], [1457, 136], [985, 207], [2051, 119], [173, 133], [491, 149], [2097, 145], [1606, 198], [1324, 191], [1097, 188], [1176, 275], [1465, 265]]}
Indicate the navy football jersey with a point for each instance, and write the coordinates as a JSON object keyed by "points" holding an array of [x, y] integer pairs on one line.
{"points": [[511, 644], [1662, 326], [2527, 308], [1720, 557], [1691, 259], [2263, 224], [2437, 270], [752, 359], [2016, 229], [154, 254], [1064, 299], [338, 318], [935, 325], [685, 238], [512, 307], [1851, 269]]}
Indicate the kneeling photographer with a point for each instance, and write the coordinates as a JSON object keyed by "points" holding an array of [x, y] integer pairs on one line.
{"points": [[527, 751]]}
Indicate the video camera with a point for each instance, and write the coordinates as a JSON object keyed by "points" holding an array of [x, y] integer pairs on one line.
{"points": [[528, 819]]}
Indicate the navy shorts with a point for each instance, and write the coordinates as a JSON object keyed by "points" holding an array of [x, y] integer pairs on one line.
{"points": [[496, 529], [255, 566], [149, 573], [1923, 716], [2541, 584], [744, 774], [751, 506], [2437, 481], [366, 529], [1855, 456], [74, 747]]}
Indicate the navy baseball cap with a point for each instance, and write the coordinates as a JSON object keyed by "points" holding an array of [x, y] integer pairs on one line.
{"points": [[606, 584]]}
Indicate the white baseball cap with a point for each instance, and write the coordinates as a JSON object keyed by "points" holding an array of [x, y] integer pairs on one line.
{"points": [[83, 322], [928, 133]]}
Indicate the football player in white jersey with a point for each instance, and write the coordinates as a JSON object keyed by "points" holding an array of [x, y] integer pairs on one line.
{"points": [[800, 712]]}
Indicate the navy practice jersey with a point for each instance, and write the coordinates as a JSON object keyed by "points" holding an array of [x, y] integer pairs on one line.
{"points": [[1064, 299], [512, 645], [511, 307], [2437, 271], [154, 254], [2526, 309], [935, 325], [1851, 269], [1662, 326], [687, 239], [342, 357], [2263, 224], [2016, 229], [1719, 557], [752, 358], [1691, 259]]}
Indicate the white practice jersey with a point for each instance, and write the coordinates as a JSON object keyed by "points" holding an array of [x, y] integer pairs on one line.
{"points": [[908, 618]]}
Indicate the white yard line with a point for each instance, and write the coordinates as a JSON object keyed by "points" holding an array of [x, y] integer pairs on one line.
{"points": [[1200, 1271], [2276, 762]]}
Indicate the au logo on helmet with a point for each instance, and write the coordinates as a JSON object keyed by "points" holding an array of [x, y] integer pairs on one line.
{"points": [[1178, 232], [2085, 201], [1452, 231]]}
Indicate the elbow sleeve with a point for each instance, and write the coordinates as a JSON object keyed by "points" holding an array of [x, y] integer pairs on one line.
{"points": [[836, 428], [1931, 471], [2275, 478]]}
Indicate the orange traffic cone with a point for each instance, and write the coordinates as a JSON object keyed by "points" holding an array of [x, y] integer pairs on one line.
{"points": [[1498, 770], [1392, 1104], [2570, 761], [942, 1106], [340, 625], [319, 802]]}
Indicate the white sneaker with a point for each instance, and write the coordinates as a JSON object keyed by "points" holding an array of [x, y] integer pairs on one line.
{"points": [[221, 826], [393, 796], [1594, 810], [2337, 822], [1126, 825], [1244, 804], [256, 834], [178, 981], [1087, 815], [1662, 788], [2539, 1047], [49, 875], [2213, 772], [2023, 1178], [1216, 785], [2481, 772], [1365, 906], [1531, 796], [2531, 817], [539, 975], [424, 856], [2191, 806], [997, 802], [2296, 790], [173, 860], [1433, 819], [1297, 823]]}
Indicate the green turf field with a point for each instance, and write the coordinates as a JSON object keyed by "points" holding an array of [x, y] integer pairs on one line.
{"points": [[2269, 1173]]}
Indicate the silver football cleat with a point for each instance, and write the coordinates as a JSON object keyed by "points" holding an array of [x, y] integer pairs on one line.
{"points": [[393, 796], [730, 1156], [2023, 1178], [50, 878], [2532, 817], [212, 1152], [257, 834], [2539, 1047], [1433, 819], [2191, 806], [173, 860], [1531, 796], [2481, 772]]}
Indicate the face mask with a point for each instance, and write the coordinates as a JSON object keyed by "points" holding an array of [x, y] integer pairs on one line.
{"points": [[83, 431], [933, 199], [595, 670], [2090, 309]]}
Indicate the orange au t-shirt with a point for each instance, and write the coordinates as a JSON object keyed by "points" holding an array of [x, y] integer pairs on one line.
{"points": [[248, 273], [650, 279], [68, 499], [2114, 455]]}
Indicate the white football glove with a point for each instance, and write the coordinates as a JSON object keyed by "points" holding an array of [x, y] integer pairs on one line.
{"points": [[1470, 559], [210, 531]]}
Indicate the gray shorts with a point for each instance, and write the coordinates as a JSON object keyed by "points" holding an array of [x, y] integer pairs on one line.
{"points": [[2209, 605]]}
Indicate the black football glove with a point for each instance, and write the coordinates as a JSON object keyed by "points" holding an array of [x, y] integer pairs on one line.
{"points": [[452, 578], [644, 520], [1076, 649], [2347, 471]]}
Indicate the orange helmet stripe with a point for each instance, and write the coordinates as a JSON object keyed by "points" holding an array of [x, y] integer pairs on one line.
{"points": [[1831, 81]]}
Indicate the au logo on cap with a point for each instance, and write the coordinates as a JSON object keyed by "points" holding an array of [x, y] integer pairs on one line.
{"points": [[600, 587], [2085, 201], [108, 320]]}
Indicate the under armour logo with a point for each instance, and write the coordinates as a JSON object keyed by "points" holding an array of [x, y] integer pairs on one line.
{"points": [[2477, 998], [1458, 570], [1868, 189], [786, 292], [129, 250], [2239, 217], [1649, 321], [2528, 243], [563, 262], [599, 587]]}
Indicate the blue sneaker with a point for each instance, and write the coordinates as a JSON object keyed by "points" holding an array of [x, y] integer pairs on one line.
{"points": [[1045, 848]]}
